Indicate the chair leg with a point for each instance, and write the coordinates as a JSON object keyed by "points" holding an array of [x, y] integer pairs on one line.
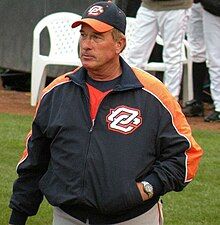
{"points": [[38, 79], [187, 83]]}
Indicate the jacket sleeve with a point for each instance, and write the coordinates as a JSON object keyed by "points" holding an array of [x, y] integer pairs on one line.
{"points": [[26, 196], [178, 153]]}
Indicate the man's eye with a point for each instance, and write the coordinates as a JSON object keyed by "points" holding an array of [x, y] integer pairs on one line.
{"points": [[96, 37], [83, 35]]}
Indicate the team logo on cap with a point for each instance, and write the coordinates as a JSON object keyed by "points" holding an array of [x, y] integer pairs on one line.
{"points": [[124, 119], [95, 10]]}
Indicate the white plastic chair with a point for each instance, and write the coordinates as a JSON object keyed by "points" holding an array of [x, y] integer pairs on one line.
{"points": [[160, 66], [63, 48]]}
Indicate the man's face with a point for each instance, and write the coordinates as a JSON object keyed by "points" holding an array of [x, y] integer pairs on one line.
{"points": [[97, 50]]}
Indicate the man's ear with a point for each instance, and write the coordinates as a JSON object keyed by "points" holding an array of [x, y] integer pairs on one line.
{"points": [[120, 45]]}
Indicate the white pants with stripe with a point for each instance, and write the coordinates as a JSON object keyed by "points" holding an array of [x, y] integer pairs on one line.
{"points": [[153, 217], [172, 25], [195, 34], [211, 27]]}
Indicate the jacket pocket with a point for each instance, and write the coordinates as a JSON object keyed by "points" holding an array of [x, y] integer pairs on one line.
{"points": [[121, 200]]}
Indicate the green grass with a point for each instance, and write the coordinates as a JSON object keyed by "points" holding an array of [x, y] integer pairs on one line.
{"points": [[198, 204], [13, 131]]}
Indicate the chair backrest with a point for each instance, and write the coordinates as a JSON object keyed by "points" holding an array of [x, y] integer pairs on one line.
{"points": [[63, 48], [63, 39]]}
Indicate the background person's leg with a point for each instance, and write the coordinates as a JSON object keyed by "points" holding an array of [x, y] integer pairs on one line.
{"points": [[172, 25]]}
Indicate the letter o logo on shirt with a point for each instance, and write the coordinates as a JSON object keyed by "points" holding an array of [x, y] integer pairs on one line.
{"points": [[124, 119]]}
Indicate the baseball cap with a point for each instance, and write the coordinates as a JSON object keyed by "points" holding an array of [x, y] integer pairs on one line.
{"points": [[103, 16]]}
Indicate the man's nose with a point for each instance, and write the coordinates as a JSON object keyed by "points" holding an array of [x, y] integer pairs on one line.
{"points": [[86, 43]]}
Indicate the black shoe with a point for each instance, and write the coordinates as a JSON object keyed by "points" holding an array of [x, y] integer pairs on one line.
{"points": [[215, 116], [193, 108]]}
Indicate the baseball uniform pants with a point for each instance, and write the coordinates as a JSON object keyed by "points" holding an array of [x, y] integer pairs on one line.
{"points": [[211, 27], [171, 25], [153, 217]]}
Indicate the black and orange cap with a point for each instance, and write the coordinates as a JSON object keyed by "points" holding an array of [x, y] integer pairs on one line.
{"points": [[103, 16]]}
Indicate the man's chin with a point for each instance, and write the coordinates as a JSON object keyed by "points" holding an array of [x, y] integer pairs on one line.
{"points": [[87, 65]]}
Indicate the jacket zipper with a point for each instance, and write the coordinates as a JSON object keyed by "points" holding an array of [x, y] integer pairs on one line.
{"points": [[88, 146], [92, 126]]}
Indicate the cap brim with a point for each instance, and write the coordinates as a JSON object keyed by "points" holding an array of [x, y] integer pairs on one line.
{"points": [[95, 24]]}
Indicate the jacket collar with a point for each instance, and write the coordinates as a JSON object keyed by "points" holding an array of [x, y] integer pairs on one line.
{"points": [[128, 79]]}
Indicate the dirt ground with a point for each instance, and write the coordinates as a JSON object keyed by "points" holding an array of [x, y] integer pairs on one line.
{"points": [[15, 102]]}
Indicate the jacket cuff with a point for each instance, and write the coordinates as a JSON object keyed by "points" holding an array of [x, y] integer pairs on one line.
{"points": [[156, 183], [18, 218]]}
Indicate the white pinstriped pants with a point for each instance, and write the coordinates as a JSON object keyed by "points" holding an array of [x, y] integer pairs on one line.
{"points": [[153, 217], [195, 34], [172, 25], [211, 27], [204, 40]]}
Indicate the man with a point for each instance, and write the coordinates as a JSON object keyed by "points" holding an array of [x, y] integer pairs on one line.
{"points": [[211, 27], [130, 7], [204, 38], [167, 18], [195, 37], [107, 140]]}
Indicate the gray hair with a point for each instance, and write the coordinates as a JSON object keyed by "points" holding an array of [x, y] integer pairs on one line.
{"points": [[117, 35]]}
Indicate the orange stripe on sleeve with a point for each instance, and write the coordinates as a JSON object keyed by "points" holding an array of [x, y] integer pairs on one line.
{"points": [[154, 86], [59, 80], [25, 152]]}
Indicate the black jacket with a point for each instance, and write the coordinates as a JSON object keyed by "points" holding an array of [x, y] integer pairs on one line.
{"points": [[90, 169], [212, 6]]}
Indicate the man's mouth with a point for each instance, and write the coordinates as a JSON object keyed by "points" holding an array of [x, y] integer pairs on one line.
{"points": [[87, 56]]}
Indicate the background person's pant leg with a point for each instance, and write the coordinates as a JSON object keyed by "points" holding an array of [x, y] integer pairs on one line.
{"points": [[172, 25], [211, 25], [143, 38], [195, 37], [195, 34]]}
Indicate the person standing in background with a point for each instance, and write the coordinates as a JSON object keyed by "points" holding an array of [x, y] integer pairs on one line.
{"points": [[211, 27], [168, 18], [129, 7], [195, 37]]}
